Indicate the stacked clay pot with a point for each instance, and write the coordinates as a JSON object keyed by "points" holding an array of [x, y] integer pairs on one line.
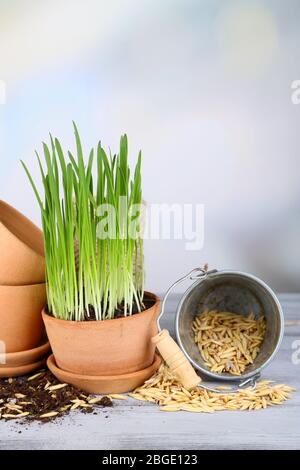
{"points": [[22, 294]]}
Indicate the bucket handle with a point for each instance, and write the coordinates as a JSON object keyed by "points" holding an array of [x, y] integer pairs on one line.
{"points": [[197, 273], [175, 358]]}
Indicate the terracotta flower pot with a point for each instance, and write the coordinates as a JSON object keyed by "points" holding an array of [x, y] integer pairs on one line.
{"points": [[24, 358], [108, 347], [21, 370], [21, 324], [21, 249]]}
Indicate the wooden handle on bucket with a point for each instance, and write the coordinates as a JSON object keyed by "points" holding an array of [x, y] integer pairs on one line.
{"points": [[176, 360]]}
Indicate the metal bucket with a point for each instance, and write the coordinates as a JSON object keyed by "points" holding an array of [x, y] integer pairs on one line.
{"points": [[235, 292]]}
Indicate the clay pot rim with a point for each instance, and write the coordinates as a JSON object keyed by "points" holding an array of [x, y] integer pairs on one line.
{"points": [[15, 371], [27, 222], [94, 378], [21, 286], [41, 348], [88, 324]]}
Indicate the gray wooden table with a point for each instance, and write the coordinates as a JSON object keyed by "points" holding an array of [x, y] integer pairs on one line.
{"points": [[132, 424]]}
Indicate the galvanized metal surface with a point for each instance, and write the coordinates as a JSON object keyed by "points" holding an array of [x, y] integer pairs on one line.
{"points": [[237, 292], [136, 425]]}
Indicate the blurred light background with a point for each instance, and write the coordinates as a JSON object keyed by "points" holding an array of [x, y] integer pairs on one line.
{"points": [[203, 87]]}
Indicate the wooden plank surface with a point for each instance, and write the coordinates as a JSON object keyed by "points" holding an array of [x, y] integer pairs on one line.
{"points": [[134, 425]]}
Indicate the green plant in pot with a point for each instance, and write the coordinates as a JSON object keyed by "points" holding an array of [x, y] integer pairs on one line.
{"points": [[99, 319]]}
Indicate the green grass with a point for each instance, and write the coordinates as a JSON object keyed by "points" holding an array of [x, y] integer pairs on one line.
{"points": [[81, 201]]}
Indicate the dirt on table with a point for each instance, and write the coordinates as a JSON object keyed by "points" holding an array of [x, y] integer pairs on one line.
{"points": [[42, 397]]}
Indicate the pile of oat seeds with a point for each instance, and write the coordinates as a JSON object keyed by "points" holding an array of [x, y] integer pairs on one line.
{"points": [[164, 390]]}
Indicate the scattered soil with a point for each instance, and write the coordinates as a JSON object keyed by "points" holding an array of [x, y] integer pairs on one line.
{"points": [[42, 397]]}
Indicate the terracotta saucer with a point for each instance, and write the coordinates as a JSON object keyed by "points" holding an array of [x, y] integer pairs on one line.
{"points": [[21, 370], [24, 358], [106, 383]]}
